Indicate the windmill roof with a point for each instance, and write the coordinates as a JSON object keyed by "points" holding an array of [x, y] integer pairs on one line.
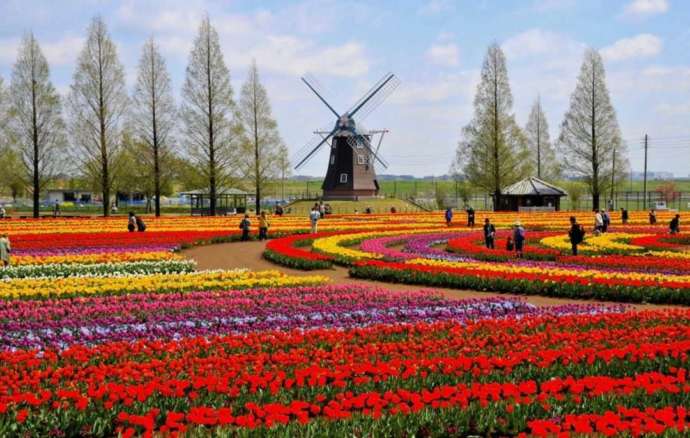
{"points": [[533, 186]]}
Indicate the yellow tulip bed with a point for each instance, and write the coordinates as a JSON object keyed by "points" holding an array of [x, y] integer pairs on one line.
{"points": [[24, 288]]}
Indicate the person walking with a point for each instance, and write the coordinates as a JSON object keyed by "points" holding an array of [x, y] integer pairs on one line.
{"points": [[322, 210], [449, 216], [470, 217], [5, 249], [674, 225], [624, 216], [489, 233], [141, 226], [652, 217], [245, 226], [606, 219], [56, 209], [263, 226], [132, 222], [598, 222], [519, 238], [3, 212], [314, 217], [576, 234]]}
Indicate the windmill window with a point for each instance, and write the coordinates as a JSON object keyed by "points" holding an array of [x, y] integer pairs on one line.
{"points": [[361, 159], [343, 178], [360, 145]]}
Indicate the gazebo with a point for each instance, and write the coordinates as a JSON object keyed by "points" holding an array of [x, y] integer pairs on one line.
{"points": [[531, 194], [228, 201]]}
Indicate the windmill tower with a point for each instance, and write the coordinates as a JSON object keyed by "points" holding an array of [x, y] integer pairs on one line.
{"points": [[351, 174]]}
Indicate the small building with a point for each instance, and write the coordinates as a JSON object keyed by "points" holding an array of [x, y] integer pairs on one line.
{"points": [[228, 201], [531, 194], [68, 195]]}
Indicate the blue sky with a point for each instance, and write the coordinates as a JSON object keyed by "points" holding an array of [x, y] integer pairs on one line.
{"points": [[435, 47]]}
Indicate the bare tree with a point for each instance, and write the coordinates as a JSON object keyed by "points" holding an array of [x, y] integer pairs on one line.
{"points": [[97, 103], [153, 115], [261, 145], [493, 152], [589, 132], [35, 120], [208, 112], [542, 153]]}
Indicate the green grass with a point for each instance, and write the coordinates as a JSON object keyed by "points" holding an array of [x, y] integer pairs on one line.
{"points": [[349, 207]]}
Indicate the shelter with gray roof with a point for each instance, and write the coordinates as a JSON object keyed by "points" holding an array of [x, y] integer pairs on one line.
{"points": [[531, 194]]}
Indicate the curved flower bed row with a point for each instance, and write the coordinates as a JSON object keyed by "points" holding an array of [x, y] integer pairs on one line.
{"points": [[68, 287], [500, 361], [98, 269]]}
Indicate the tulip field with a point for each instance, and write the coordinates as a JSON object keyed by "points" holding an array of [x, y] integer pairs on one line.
{"points": [[110, 333]]}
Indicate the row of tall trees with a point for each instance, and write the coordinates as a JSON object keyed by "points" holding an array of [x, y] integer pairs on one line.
{"points": [[134, 141], [495, 152]]}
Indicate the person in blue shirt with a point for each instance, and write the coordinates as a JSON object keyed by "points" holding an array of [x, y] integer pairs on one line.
{"points": [[449, 216]]}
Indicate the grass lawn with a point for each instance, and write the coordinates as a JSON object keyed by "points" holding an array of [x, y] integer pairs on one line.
{"points": [[349, 207]]}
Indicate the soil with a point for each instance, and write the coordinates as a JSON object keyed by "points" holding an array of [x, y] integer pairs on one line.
{"points": [[248, 255]]}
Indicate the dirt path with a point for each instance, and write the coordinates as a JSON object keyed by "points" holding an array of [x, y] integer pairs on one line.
{"points": [[248, 255]]}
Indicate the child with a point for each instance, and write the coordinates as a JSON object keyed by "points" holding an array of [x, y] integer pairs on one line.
{"points": [[245, 225], [510, 246], [263, 226]]}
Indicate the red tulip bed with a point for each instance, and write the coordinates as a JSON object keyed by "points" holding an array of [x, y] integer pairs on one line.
{"points": [[541, 373], [317, 360]]}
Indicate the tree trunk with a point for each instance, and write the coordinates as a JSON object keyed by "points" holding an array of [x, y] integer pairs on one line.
{"points": [[34, 132], [595, 150], [211, 146], [156, 146], [257, 167], [497, 175]]}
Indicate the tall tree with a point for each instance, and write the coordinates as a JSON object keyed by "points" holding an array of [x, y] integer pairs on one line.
{"points": [[35, 119], [284, 167], [154, 115], [493, 152], [97, 103], [589, 132], [4, 141], [542, 153], [208, 111], [261, 145]]}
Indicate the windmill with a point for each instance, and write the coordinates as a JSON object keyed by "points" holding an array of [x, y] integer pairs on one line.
{"points": [[351, 174]]}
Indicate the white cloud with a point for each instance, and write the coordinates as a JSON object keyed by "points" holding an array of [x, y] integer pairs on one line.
{"points": [[64, 51], [441, 89], [646, 8], [57, 52], [539, 42], [639, 46], [445, 54], [259, 35]]}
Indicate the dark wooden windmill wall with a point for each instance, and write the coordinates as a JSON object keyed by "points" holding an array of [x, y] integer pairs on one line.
{"points": [[350, 172]]}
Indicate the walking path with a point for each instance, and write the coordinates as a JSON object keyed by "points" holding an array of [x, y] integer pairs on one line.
{"points": [[248, 255]]}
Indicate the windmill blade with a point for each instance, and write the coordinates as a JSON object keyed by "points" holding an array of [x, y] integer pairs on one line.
{"points": [[366, 135], [312, 147], [313, 87], [375, 96], [362, 139]]}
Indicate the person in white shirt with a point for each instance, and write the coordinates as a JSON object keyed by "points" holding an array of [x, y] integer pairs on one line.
{"points": [[598, 222], [314, 217]]}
